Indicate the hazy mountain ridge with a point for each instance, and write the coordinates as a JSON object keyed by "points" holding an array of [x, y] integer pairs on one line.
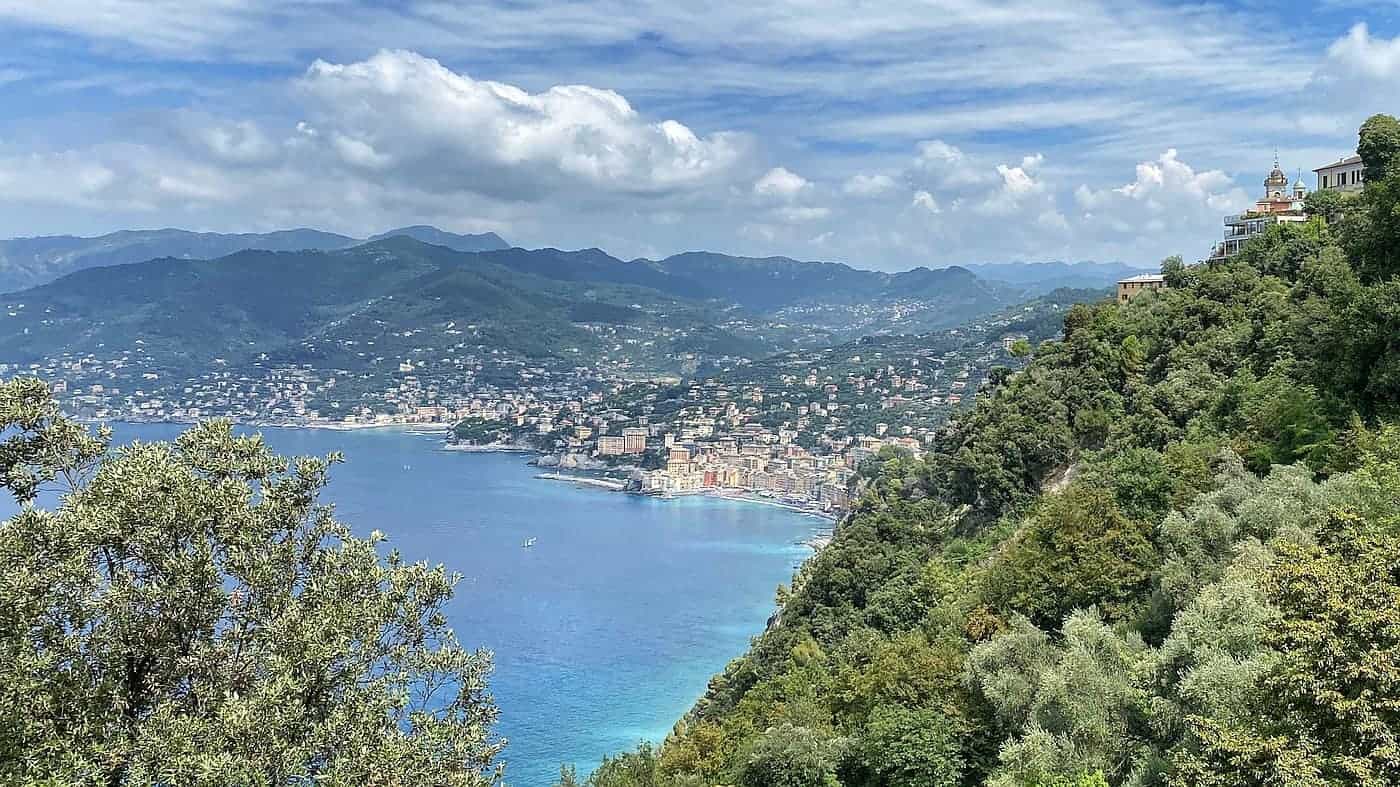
{"points": [[354, 308], [344, 306], [1038, 278], [30, 262]]}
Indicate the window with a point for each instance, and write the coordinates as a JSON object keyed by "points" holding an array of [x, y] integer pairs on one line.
{"points": [[1324, 181]]}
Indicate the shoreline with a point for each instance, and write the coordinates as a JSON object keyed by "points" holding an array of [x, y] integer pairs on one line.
{"points": [[734, 496], [438, 431], [582, 480], [493, 448], [425, 429]]}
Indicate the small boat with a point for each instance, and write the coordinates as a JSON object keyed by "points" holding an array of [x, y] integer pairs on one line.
{"points": [[529, 542]]}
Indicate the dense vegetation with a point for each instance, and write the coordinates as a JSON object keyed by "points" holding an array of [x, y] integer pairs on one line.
{"points": [[190, 614], [1165, 553]]}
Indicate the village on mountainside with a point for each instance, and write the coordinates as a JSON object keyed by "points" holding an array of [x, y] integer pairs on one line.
{"points": [[793, 428]]}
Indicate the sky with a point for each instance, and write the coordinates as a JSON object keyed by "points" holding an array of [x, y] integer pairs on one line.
{"points": [[886, 135]]}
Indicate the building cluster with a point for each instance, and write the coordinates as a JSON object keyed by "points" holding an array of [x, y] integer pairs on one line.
{"points": [[758, 462], [793, 428], [1279, 204]]}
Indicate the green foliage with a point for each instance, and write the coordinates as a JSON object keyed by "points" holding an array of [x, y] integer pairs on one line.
{"points": [[1163, 553], [191, 614], [906, 748], [1078, 550], [1379, 146], [789, 756]]}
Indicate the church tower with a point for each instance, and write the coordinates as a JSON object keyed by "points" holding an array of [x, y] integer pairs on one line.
{"points": [[1276, 185]]}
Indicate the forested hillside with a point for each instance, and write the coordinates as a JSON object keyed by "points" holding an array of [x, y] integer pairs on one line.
{"points": [[1165, 553]]}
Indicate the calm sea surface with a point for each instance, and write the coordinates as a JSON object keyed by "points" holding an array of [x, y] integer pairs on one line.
{"points": [[608, 628]]}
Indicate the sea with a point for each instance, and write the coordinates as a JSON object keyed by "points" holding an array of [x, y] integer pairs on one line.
{"points": [[605, 630]]}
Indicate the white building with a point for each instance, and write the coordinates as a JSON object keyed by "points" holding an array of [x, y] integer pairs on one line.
{"points": [[1348, 174]]}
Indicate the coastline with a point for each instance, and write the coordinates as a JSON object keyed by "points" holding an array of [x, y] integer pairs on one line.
{"points": [[733, 496], [582, 480], [433, 430], [491, 448], [427, 430]]}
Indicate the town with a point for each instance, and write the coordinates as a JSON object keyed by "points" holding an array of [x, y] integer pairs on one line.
{"points": [[792, 428]]}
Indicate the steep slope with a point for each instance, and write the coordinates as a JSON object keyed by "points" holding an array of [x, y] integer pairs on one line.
{"points": [[1162, 554]]}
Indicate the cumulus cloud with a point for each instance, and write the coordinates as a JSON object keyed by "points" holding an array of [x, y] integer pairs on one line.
{"points": [[1168, 197], [398, 138], [1361, 54], [1018, 185], [423, 124], [1359, 76], [780, 182], [1166, 183]]}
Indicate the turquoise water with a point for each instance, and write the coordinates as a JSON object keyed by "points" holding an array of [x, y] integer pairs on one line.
{"points": [[605, 631]]}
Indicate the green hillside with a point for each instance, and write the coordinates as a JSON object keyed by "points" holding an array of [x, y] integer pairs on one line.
{"points": [[368, 304], [301, 307], [1163, 554], [30, 262]]}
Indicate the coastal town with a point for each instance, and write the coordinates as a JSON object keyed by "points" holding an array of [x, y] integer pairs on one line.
{"points": [[790, 429]]}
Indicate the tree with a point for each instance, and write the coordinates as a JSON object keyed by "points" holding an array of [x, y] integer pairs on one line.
{"points": [[907, 748], [1330, 204], [191, 614], [1377, 238], [1378, 144], [1323, 712], [1078, 550], [789, 756]]}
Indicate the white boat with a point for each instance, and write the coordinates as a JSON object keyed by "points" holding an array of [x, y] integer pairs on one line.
{"points": [[529, 542]]}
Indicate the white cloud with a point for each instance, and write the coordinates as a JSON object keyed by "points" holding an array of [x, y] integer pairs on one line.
{"points": [[1360, 54], [1168, 201], [923, 199], [780, 182], [1359, 76], [167, 26], [241, 142], [1168, 182], [868, 185], [425, 125], [1018, 185], [798, 214]]}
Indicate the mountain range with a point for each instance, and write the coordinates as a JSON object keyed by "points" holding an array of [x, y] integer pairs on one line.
{"points": [[379, 300], [28, 262], [305, 296]]}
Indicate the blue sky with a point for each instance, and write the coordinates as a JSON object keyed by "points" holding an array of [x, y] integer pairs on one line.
{"points": [[886, 135]]}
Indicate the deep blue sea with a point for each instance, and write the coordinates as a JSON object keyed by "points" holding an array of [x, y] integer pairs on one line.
{"points": [[606, 630]]}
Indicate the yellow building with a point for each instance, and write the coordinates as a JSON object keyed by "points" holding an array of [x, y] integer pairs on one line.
{"points": [[610, 445], [1133, 286], [634, 440]]}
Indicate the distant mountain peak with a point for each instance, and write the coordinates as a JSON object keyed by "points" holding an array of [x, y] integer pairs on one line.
{"points": [[486, 241]]}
